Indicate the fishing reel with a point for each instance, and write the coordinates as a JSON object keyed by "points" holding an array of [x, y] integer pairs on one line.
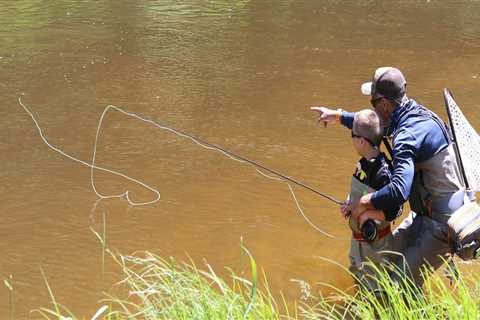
{"points": [[369, 230]]}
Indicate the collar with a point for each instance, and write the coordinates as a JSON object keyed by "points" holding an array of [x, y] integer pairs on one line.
{"points": [[373, 161]]}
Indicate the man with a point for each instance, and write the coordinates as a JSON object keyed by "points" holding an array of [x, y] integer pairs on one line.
{"points": [[425, 171]]}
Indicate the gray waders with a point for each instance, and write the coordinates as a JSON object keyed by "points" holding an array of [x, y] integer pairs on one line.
{"points": [[362, 253], [424, 238]]}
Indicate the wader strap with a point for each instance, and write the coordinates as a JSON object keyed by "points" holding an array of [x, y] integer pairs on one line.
{"points": [[388, 147], [443, 126]]}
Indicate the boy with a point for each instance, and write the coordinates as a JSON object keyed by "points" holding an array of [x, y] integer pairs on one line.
{"points": [[371, 234]]}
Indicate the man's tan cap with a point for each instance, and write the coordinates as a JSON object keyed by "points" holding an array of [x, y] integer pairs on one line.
{"points": [[388, 82]]}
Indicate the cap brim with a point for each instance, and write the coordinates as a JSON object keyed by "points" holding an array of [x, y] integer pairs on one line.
{"points": [[366, 88]]}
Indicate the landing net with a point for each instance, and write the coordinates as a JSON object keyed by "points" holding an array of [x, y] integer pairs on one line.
{"points": [[468, 142]]}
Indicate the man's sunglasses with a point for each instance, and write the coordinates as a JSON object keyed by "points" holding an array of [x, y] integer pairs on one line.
{"points": [[373, 102]]}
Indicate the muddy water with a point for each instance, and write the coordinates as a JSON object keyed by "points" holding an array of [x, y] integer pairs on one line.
{"points": [[240, 75]]}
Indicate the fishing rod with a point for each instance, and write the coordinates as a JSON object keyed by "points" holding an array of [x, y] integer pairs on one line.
{"points": [[258, 165]]}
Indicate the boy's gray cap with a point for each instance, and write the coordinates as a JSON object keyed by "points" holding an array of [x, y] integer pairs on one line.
{"points": [[388, 82]]}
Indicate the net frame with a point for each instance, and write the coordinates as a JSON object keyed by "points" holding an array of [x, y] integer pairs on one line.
{"points": [[467, 143]]}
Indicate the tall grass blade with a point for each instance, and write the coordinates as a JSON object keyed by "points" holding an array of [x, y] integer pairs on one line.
{"points": [[11, 304], [54, 302], [253, 267], [99, 312]]}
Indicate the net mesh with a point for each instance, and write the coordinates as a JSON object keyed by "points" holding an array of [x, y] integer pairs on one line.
{"points": [[468, 142]]}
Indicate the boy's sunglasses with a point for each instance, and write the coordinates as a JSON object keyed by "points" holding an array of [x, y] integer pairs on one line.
{"points": [[368, 140]]}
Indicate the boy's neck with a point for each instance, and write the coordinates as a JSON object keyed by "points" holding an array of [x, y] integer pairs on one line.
{"points": [[371, 153]]}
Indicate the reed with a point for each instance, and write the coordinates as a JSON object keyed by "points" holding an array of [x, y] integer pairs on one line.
{"points": [[402, 299], [158, 288], [165, 289], [58, 308], [103, 239], [61, 312], [11, 303]]}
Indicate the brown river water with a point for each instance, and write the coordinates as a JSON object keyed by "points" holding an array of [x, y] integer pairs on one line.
{"points": [[240, 74]]}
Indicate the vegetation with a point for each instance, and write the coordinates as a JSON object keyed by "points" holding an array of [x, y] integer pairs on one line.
{"points": [[9, 284], [158, 288], [165, 289], [401, 299]]}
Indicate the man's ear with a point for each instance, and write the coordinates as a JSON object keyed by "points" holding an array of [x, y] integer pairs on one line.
{"points": [[385, 106], [389, 106], [363, 142]]}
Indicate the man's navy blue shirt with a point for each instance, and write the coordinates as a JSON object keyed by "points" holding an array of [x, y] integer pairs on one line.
{"points": [[416, 138]]}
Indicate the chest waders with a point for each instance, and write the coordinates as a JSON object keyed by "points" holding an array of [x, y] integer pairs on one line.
{"points": [[437, 189]]}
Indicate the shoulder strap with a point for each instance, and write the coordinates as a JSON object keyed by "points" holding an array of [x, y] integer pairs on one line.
{"points": [[388, 147]]}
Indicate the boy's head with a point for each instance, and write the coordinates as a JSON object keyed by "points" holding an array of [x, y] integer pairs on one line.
{"points": [[366, 131]]}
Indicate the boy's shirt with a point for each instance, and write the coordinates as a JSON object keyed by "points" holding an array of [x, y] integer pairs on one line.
{"points": [[375, 174]]}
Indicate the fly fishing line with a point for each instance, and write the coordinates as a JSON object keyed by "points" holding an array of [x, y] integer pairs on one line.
{"points": [[264, 171]]}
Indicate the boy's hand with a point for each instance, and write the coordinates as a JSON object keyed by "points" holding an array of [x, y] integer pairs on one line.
{"points": [[326, 115], [346, 210]]}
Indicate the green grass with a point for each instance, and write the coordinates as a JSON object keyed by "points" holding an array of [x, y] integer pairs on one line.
{"points": [[11, 304], [165, 289], [403, 300], [102, 238], [158, 288]]}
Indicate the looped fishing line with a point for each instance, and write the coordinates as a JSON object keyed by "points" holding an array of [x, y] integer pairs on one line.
{"points": [[93, 166], [126, 195]]}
